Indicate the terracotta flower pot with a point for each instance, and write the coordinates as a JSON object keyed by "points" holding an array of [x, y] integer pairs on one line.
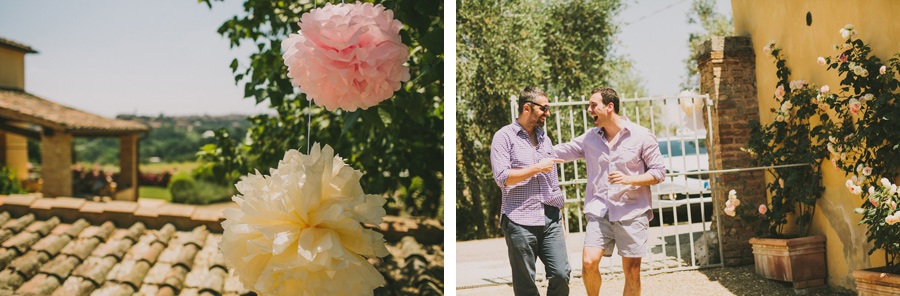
{"points": [[800, 261], [873, 282]]}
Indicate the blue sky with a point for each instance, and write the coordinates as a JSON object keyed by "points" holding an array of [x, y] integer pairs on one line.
{"points": [[113, 57], [656, 40], [164, 56]]}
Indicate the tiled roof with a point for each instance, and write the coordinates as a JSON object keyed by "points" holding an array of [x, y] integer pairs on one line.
{"points": [[68, 247], [22, 106], [17, 46]]}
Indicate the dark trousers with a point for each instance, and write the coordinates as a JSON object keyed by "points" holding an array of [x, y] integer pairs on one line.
{"points": [[548, 242]]}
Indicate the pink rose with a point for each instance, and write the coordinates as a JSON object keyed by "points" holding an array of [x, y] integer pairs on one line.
{"points": [[856, 190], [842, 58], [779, 92], [821, 61], [892, 219], [867, 171], [824, 89], [882, 70], [729, 211], [763, 209]]}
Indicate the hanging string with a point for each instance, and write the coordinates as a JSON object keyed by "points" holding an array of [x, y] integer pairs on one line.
{"points": [[309, 109]]}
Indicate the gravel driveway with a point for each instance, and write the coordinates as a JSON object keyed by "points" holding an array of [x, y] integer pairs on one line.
{"points": [[741, 280]]}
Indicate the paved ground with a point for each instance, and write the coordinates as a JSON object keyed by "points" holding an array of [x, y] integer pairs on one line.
{"points": [[483, 269], [485, 262]]}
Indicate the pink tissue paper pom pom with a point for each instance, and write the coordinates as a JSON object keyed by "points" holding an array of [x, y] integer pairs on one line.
{"points": [[347, 56]]}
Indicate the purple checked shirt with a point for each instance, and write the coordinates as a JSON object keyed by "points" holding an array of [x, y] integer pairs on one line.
{"points": [[523, 202], [635, 153]]}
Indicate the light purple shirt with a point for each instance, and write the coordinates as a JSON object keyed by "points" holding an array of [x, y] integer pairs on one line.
{"points": [[635, 153], [523, 202]]}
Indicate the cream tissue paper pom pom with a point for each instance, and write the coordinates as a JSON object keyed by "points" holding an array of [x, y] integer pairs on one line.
{"points": [[298, 230], [347, 56]]}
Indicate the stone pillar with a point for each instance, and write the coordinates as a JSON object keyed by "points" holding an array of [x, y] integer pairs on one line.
{"points": [[56, 162], [728, 74], [127, 183], [16, 156]]}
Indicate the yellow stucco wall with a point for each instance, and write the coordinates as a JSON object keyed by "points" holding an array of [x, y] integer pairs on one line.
{"points": [[785, 22], [12, 68]]}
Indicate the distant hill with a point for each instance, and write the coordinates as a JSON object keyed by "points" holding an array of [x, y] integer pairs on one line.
{"points": [[171, 139]]}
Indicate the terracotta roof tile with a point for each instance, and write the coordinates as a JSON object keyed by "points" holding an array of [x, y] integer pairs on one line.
{"points": [[186, 256], [16, 46], [150, 290], [43, 227], [214, 281], [95, 269], [19, 105], [157, 274], [152, 253], [61, 266], [80, 259], [29, 264], [165, 234], [113, 289], [4, 217], [190, 292], [135, 231], [81, 248], [233, 285], [6, 256], [10, 279], [134, 275], [22, 242], [41, 284], [53, 244], [77, 228], [165, 291], [19, 224], [116, 249], [175, 278], [75, 286]]}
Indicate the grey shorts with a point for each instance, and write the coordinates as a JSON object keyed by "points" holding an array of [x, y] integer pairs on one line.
{"points": [[629, 236]]}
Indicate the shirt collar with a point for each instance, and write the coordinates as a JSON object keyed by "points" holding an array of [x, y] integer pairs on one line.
{"points": [[538, 130], [625, 127]]}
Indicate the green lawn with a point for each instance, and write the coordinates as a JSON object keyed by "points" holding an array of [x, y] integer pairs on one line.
{"points": [[155, 193], [179, 166], [150, 167]]}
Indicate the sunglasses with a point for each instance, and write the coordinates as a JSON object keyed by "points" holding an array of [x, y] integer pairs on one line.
{"points": [[544, 108]]}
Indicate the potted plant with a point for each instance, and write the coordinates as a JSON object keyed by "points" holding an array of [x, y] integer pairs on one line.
{"points": [[863, 144], [780, 252], [882, 218]]}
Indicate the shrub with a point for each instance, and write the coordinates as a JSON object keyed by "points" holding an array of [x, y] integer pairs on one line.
{"points": [[187, 190], [181, 187], [9, 184]]}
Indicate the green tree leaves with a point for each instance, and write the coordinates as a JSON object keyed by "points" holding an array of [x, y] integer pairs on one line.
{"points": [[397, 144], [503, 47]]}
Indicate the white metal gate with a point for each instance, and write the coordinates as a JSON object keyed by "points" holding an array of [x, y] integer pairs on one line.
{"points": [[680, 237]]}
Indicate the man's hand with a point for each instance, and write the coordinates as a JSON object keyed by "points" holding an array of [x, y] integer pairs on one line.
{"points": [[519, 175], [645, 179], [546, 164], [620, 178]]}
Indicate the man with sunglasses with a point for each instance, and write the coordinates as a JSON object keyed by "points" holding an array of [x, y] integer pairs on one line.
{"points": [[524, 166], [623, 160]]}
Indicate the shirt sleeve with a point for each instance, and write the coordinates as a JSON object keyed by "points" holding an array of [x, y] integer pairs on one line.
{"points": [[653, 158], [500, 158], [571, 150]]}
